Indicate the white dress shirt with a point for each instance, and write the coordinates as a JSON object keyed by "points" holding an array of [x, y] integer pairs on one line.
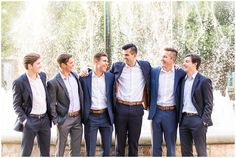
{"points": [[188, 104], [131, 84], [99, 98], [72, 88], [39, 104], [166, 88]]}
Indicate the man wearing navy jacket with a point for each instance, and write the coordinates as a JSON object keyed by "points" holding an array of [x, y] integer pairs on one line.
{"points": [[98, 105], [31, 104], [164, 103], [131, 96], [196, 108]]}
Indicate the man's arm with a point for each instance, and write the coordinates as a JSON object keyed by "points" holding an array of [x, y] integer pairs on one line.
{"points": [[53, 100], [207, 100], [18, 102]]}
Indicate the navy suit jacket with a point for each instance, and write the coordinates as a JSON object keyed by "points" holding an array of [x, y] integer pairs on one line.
{"points": [[60, 100], [202, 98], [117, 69], [155, 72], [86, 83], [22, 99]]}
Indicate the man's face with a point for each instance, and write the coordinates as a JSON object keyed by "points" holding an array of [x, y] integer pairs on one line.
{"points": [[69, 65], [128, 57], [167, 59], [188, 66], [102, 64], [35, 67]]}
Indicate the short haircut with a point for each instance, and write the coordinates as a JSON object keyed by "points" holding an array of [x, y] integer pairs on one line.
{"points": [[131, 46], [195, 59], [30, 58], [63, 58], [98, 56], [172, 50]]}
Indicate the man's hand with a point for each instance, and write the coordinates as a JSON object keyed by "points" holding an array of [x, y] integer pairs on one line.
{"points": [[83, 73], [24, 122]]}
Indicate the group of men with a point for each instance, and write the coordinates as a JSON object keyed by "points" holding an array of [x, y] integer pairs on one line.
{"points": [[101, 98]]}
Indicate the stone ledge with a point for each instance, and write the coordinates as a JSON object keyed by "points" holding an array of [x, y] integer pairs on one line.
{"points": [[15, 137], [217, 146]]}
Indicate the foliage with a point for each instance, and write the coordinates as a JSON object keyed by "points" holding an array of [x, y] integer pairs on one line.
{"points": [[9, 13]]}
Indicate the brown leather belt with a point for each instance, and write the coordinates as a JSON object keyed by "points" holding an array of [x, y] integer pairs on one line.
{"points": [[101, 111], [165, 108], [190, 114], [129, 103], [74, 113]]}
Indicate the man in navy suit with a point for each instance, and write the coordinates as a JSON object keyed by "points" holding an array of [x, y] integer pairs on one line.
{"points": [[164, 102], [31, 104], [131, 94], [98, 105], [196, 108]]}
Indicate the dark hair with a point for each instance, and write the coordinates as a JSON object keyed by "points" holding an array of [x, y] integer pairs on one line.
{"points": [[172, 50], [98, 56], [30, 58], [130, 46], [195, 59], [63, 58]]}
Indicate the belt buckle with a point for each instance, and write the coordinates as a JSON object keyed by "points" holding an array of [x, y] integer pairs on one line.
{"points": [[73, 114], [40, 116]]}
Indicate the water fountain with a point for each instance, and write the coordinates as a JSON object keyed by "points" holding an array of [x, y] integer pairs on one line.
{"points": [[54, 27]]}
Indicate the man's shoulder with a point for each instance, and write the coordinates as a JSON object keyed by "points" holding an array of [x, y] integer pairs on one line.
{"points": [[144, 62], [118, 63], [109, 74], [154, 69], [180, 71], [204, 78], [54, 78], [20, 78], [84, 78]]}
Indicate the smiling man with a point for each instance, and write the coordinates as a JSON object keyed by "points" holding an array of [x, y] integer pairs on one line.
{"points": [[164, 104], [131, 95], [66, 105], [98, 105], [31, 104], [196, 108]]}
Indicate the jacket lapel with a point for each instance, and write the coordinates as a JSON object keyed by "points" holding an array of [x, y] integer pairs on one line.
{"points": [[61, 82], [90, 83], [43, 81], [120, 69], [106, 84], [28, 86], [175, 80], [157, 78], [182, 94], [195, 84]]}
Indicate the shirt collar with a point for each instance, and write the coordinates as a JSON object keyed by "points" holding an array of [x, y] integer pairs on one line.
{"points": [[30, 79], [193, 75], [136, 65], [172, 69], [64, 77], [94, 75]]}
